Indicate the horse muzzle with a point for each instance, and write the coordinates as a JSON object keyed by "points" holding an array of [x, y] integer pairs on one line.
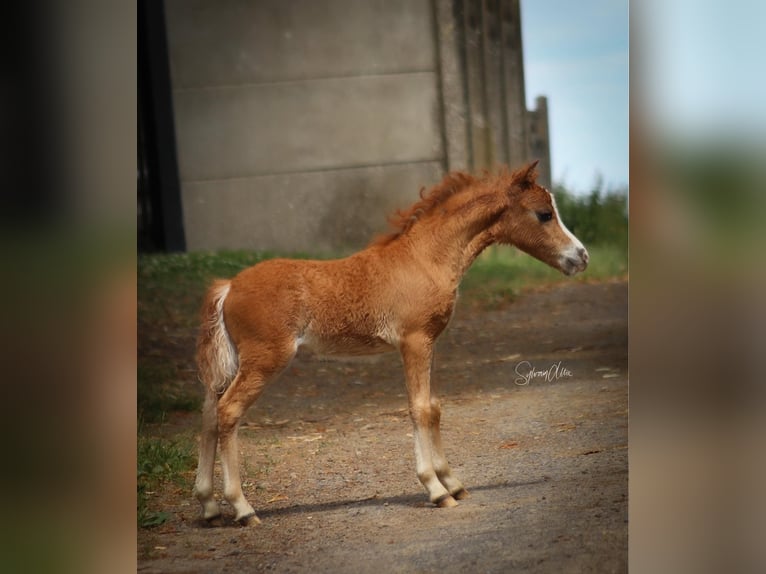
{"points": [[574, 260]]}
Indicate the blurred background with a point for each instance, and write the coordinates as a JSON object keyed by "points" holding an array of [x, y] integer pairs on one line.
{"points": [[698, 119], [73, 118]]}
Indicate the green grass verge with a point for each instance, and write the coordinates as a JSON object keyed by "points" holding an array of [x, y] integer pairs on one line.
{"points": [[171, 285], [161, 461], [502, 273], [163, 389]]}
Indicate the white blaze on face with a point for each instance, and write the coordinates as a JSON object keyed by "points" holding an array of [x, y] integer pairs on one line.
{"points": [[575, 251]]}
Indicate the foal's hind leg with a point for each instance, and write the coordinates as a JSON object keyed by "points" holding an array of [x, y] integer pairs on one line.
{"points": [[441, 466], [258, 364], [203, 486]]}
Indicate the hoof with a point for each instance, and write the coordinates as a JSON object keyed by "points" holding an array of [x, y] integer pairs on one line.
{"points": [[461, 494], [214, 521], [445, 501], [249, 520]]}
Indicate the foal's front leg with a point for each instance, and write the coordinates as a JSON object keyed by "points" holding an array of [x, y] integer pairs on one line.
{"points": [[417, 351]]}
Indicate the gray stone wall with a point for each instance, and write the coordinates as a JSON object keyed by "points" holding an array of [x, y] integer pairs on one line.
{"points": [[538, 140], [301, 124]]}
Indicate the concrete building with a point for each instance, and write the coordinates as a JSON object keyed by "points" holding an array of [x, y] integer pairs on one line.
{"points": [[299, 125]]}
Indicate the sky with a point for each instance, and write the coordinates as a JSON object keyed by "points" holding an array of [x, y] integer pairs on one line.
{"points": [[703, 77], [576, 54]]}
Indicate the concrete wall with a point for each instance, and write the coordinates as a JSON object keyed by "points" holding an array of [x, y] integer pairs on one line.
{"points": [[499, 129], [301, 124], [539, 141]]}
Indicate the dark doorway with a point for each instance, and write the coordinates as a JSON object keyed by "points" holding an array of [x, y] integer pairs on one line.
{"points": [[160, 219]]}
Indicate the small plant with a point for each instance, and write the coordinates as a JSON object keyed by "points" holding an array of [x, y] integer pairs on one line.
{"points": [[160, 461]]}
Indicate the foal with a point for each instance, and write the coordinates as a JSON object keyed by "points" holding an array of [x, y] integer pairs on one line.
{"points": [[398, 294]]}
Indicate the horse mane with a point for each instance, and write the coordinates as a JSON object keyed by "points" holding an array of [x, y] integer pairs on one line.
{"points": [[403, 219], [454, 182]]}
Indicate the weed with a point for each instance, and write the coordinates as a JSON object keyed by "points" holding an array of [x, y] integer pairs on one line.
{"points": [[160, 461]]}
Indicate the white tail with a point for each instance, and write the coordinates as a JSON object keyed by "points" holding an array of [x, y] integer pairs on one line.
{"points": [[217, 358]]}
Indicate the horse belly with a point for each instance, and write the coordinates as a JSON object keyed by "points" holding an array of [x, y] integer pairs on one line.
{"points": [[345, 344]]}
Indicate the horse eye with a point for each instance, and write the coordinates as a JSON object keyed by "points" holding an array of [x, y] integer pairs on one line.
{"points": [[544, 216]]}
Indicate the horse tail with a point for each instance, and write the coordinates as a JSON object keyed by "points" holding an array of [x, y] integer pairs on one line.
{"points": [[217, 359]]}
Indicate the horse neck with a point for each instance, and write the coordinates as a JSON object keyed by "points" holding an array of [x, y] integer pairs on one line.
{"points": [[451, 239]]}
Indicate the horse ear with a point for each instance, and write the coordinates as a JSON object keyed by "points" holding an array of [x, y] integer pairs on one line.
{"points": [[530, 174], [525, 175]]}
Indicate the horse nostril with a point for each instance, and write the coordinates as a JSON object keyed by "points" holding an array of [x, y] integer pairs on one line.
{"points": [[583, 254]]}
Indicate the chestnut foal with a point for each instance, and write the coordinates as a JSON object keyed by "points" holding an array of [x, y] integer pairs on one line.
{"points": [[398, 294]]}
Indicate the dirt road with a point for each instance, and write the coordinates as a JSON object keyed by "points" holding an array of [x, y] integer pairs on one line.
{"points": [[328, 457]]}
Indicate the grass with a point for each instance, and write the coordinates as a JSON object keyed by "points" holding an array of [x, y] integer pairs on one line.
{"points": [[161, 461], [162, 390], [171, 286], [500, 274]]}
